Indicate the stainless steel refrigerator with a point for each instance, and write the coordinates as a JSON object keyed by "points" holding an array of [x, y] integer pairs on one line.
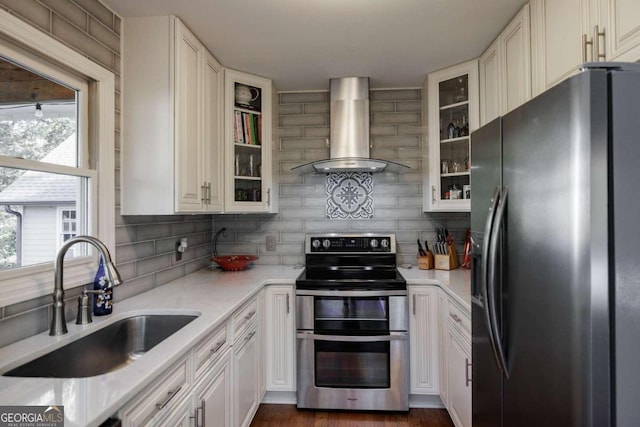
{"points": [[555, 215]]}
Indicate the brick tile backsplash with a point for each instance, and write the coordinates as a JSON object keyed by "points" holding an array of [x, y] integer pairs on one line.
{"points": [[396, 133]]}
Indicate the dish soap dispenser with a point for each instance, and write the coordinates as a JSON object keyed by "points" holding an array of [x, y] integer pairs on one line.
{"points": [[102, 303]]}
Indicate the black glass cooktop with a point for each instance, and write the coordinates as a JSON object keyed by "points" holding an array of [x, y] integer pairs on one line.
{"points": [[345, 277]]}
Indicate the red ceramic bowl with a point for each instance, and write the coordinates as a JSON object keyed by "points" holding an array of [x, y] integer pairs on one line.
{"points": [[234, 262]]}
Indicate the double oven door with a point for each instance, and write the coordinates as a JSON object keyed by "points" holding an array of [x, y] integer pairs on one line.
{"points": [[352, 349]]}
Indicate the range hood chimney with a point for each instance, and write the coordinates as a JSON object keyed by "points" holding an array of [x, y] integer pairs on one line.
{"points": [[349, 147]]}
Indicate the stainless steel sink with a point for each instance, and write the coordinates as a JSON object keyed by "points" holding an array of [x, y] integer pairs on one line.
{"points": [[105, 350]]}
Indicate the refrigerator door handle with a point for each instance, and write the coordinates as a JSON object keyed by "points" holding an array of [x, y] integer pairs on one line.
{"points": [[492, 278], [485, 267]]}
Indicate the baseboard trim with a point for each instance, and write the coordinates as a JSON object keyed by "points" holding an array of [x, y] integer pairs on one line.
{"points": [[280, 397], [431, 401]]}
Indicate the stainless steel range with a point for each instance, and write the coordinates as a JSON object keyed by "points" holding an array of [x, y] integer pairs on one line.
{"points": [[352, 324]]}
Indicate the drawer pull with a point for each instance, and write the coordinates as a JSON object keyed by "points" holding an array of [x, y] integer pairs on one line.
{"points": [[250, 336], [455, 317], [170, 395], [215, 349], [467, 377], [250, 315]]}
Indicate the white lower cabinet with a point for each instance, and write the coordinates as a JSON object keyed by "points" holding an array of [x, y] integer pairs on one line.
{"points": [[457, 356], [246, 366], [280, 347], [218, 383], [423, 322], [443, 306], [160, 399], [212, 405]]}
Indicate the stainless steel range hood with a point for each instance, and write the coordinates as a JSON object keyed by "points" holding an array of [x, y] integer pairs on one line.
{"points": [[349, 147]]}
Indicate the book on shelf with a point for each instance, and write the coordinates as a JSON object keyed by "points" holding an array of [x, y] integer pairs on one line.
{"points": [[238, 134], [247, 128]]}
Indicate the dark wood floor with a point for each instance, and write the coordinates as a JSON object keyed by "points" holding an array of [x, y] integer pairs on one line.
{"points": [[289, 415]]}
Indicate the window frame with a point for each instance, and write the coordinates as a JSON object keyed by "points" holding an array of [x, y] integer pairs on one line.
{"points": [[39, 51]]}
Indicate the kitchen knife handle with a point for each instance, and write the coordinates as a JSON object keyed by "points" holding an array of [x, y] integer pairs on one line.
{"points": [[492, 289]]}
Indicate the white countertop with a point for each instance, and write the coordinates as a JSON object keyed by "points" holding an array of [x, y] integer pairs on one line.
{"points": [[456, 282], [214, 295]]}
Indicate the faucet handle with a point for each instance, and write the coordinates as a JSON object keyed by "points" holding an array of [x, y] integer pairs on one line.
{"points": [[84, 306]]}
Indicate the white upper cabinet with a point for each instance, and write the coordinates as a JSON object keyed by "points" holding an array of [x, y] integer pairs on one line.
{"points": [[515, 45], [559, 40], [505, 69], [490, 80], [172, 134], [567, 33], [250, 179], [452, 114], [622, 20], [213, 126]]}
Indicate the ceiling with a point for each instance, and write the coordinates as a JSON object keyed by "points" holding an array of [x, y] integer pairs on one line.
{"points": [[301, 44]]}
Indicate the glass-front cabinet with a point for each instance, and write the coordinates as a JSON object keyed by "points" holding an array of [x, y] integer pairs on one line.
{"points": [[452, 114], [249, 142]]}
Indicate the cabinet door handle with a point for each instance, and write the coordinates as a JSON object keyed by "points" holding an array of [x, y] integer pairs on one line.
{"points": [[288, 308], [250, 315], [597, 56], [203, 190], [208, 193], [250, 336], [467, 377], [195, 417], [219, 345], [268, 196], [170, 395], [433, 194], [585, 43], [414, 304]]}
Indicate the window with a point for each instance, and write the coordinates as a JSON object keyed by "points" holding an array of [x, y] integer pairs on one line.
{"points": [[68, 228], [68, 225], [56, 160], [41, 135]]}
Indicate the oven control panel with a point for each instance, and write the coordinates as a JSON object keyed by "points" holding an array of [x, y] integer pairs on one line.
{"points": [[352, 243]]}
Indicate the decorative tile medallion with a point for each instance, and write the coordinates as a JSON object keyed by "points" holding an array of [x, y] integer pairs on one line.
{"points": [[349, 195]]}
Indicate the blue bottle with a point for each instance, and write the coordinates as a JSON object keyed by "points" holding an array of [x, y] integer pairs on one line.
{"points": [[102, 303]]}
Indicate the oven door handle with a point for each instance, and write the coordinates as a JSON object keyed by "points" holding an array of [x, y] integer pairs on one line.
{"points": [[395, 336], [334, 293]]}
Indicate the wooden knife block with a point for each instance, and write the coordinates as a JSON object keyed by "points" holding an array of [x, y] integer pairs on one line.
{"points": [[449, 261], [426, 262]]}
